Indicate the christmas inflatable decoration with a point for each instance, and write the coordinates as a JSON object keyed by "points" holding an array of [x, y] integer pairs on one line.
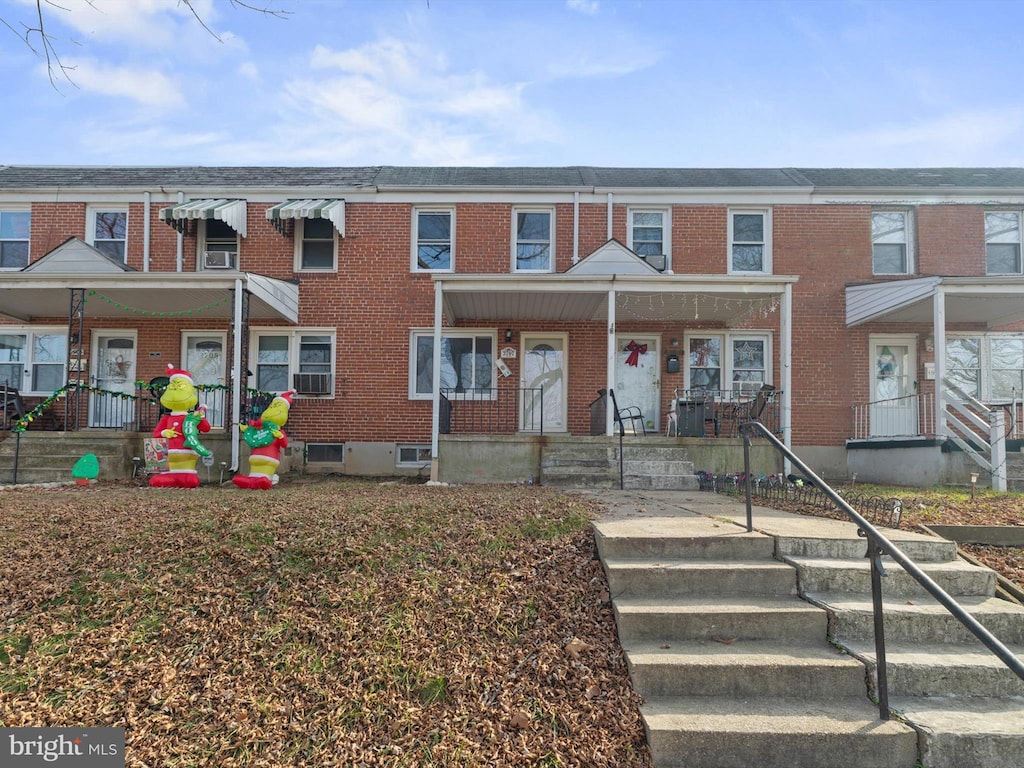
{"points": [[181, 428], [265, 438]]}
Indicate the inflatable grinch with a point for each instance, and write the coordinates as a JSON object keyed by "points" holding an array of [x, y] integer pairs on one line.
{"points": [[265, 438], [181, 428]]}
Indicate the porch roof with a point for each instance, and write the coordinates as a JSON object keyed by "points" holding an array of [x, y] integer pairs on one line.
{"points": [[993, 299], [570, 297], [27, 296]]}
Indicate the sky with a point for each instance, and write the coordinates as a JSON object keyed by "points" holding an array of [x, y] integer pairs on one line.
{"points": [[639, 83]]}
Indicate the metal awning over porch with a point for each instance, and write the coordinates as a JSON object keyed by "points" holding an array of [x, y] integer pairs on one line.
{"points": [[231, 212], [993, 300]]}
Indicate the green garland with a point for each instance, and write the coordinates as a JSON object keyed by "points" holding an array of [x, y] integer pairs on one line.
{"points": [[150, 313]]}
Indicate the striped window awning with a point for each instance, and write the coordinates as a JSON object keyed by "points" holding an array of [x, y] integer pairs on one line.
{"points": [[331, 209], [231, 212]]}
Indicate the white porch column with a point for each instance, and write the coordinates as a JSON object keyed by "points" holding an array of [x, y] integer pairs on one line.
{"points": [[435, 417], [786, 363], [610, 365], [939, 333], [236, 377]]}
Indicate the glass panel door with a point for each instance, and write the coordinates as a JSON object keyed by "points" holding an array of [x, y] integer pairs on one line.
{"points": [[894, 387], [544, 367], [113, 376], [205, 360]]}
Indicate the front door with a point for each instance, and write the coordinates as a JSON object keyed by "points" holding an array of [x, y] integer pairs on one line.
{"points": [[894, 386], [544, 368], [638, 377], [205, 360], [113, 377]]}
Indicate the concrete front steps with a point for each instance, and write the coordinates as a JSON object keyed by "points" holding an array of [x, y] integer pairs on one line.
{"points": [[967, 706], [648, 464], [48, 457], [734, 667]]}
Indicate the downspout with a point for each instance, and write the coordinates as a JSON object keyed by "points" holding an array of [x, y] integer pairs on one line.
{"points": [[435, 416], [609, 416], [609, 237], [147, 207], [786, 359], [575, 227], [236, 376], [180, 254], [939, 332]]}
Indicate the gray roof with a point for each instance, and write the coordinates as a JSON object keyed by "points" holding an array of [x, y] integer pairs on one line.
{"points": [[29, 178]]}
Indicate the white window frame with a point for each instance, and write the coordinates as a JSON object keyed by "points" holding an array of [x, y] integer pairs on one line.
{"points": [[28, 240], [414, 253], [92, 211], [666, 233], [550, 211], [29, 363], [985, 363], [418, 463], [294, 336], [298, 236], [908, 241], [728, 342], [202, 245], [766, 244], [449, 333], [1019, 242]]}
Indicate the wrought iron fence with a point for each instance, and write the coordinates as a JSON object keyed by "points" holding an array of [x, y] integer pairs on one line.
{"points": [[492, 410]]}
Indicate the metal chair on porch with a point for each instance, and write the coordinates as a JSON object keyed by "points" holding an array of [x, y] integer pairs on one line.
{"points": [[13, 405], [631, 414]]}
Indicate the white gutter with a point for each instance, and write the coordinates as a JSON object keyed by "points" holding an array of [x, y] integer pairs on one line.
{"points": [[786, 359], [180, 253], [575, 227], [146, 206], [609, 237], [939, 333], [236, 377]]}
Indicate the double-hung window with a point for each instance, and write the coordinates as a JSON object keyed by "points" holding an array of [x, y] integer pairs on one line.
{"points": [[107, 232], [316, 245], [750, 241], [729, 362], [1002, 242], [987, 366], [467, 364], [648, 236], [34, 360], [219, 245], [891, 239], [14, 230], [433, 240], [533, 247], [302, 360]]}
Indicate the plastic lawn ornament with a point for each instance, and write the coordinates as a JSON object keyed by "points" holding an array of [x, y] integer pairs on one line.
{"points": [[181, 428], [86, 469], [266, 438]]}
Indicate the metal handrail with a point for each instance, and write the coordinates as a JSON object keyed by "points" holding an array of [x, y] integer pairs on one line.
{"points": [[877, 546]]}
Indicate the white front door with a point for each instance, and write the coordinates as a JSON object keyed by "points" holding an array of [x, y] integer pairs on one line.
{"points": [[543, 370], [894, 405], [205, 360], [113, 376], [638, 377]]}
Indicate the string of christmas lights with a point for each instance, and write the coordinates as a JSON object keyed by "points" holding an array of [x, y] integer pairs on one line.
{"points": [[689, 306]]}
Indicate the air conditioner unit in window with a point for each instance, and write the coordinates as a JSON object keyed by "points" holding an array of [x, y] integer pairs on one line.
{"points": [[218, 260], [312, 383]]}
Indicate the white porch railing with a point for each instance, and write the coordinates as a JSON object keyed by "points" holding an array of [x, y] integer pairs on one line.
{"points": [[898, 417], [979, 431]]}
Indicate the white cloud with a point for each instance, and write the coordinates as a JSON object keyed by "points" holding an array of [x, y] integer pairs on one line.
{"points": [[143, 86], [589, 7]]}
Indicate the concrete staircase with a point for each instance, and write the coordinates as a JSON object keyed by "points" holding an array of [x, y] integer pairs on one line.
{"points": [[47, 457], [744, 659], [648, 464]]}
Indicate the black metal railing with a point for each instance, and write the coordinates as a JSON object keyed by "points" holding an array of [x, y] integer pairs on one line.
{"points": [[492, 411], [877, 545], [727, 409]]}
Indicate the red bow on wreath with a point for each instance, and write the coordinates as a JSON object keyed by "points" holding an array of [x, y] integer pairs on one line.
{"points": [[635, 350]]}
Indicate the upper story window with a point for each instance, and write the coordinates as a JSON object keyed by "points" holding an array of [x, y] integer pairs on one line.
{"points": [[218, 245], [891, 239], [1002, 243], [749, 241], [649, 236], [107, 231], [14, 229], [316, 245], [534, 248], [433, 240]]}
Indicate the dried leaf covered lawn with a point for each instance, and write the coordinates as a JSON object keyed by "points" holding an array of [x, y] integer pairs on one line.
{"points": [[326, 623]]}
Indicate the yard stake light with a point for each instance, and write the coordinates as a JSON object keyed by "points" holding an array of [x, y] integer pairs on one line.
{"points": [[974, 482]]}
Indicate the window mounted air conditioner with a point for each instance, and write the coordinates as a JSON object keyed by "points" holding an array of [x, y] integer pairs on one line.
{"points": [[312, 383], [218, 260]]}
